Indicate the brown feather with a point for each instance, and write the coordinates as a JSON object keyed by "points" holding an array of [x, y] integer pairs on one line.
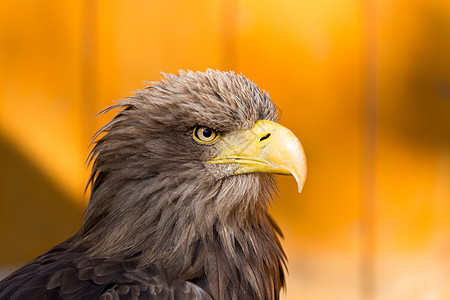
{"points": [[160, 219]]}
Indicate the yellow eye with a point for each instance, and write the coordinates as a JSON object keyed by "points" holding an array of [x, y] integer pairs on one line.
{"points": [[205, 135]]}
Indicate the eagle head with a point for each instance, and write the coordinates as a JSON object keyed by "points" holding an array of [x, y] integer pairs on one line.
{"points": [[182, 177]]}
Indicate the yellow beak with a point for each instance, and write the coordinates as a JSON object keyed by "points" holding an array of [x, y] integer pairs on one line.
{"points": [[268, 147]]}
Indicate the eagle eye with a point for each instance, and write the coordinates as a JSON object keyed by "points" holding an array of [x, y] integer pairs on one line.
{"points": [[205, 135]]}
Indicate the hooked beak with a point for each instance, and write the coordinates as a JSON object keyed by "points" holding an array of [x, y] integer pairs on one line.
{"points": [[268, 147]]}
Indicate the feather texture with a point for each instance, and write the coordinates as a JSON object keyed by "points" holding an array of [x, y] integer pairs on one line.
{"points": [[161, 223]]}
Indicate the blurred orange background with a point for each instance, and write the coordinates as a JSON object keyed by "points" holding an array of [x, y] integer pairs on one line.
{"points": [[365, 85]]}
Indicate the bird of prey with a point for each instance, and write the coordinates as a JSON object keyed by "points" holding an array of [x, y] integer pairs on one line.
{"points": [[180, 186]]}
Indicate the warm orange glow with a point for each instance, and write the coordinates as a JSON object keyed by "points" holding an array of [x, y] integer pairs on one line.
{"points": [[62, 62]]}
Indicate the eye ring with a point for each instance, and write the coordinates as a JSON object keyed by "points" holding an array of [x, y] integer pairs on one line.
{"points": [[205, 135]]}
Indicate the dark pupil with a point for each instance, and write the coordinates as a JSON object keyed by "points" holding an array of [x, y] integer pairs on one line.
{"points": [[207, 133]]}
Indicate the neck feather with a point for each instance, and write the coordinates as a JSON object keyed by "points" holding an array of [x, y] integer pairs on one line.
{"points": [[218, 231]]}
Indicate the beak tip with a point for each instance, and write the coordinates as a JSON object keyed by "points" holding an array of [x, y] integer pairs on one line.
{"points": [[300, 183], [300, 178]]}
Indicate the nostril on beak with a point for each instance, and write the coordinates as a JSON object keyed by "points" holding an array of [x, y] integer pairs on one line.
{"points": [[265, 137]]}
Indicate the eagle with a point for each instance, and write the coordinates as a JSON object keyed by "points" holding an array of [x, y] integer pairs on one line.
{"points": [[181, 181]]}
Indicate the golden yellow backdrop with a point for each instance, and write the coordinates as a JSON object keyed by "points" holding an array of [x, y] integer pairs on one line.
{"points": [[364, 84]]}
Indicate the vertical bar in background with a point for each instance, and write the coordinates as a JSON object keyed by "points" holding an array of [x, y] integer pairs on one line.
{"points": [[228, 34], [88, 66], [370, 99]]}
